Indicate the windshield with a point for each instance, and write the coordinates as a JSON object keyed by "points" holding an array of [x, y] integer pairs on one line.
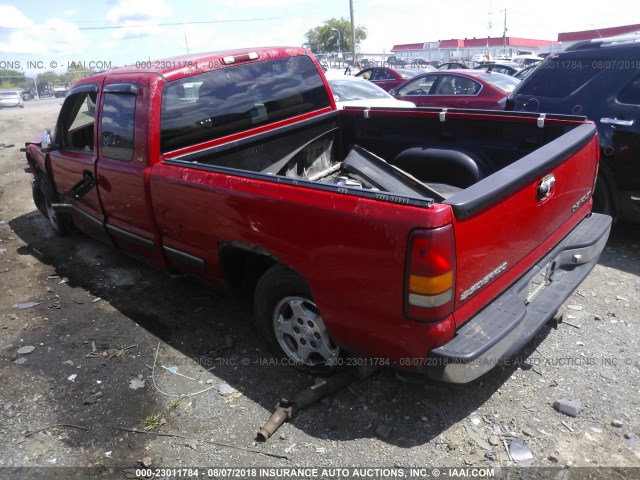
{"points": [[356, 90], [8, 94]]}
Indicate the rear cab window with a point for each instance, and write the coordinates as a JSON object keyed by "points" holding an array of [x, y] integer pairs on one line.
{"points": [[222, 102]]}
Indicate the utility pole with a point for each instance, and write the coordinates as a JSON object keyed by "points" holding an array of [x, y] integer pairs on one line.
{"points": [[339, 41], [504, 33], [489, 26], [353, 33]]}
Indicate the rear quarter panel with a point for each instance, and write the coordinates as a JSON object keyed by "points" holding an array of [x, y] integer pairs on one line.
{"points": [[350, 249]]}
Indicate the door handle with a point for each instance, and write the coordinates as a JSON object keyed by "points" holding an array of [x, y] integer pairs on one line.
{"points": [[617, 122], [85, 185]]}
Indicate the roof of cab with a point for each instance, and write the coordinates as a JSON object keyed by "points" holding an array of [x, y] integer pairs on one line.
{"points": [[174, 68]]}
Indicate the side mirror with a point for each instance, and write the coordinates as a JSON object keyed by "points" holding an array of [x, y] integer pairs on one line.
{"points": [[393, 92]]}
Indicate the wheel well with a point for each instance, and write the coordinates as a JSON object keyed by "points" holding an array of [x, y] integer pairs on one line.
{"points": [[33, 164], [605, 175], [242, 265]]}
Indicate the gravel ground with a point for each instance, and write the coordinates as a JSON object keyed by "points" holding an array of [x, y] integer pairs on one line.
{"points": [[128, 367]]}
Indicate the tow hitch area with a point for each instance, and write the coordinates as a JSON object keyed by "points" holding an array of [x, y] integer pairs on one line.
{"points": [[556, 320]]}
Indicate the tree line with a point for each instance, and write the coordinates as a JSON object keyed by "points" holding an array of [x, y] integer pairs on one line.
{"points": [[12, 79]]}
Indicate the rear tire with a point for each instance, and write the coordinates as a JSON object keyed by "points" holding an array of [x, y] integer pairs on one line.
{"points": [[290, 322], [602, 198], [61, 222]]}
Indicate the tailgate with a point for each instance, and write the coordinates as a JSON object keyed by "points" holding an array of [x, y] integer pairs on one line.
{"points": [[508, 221]]}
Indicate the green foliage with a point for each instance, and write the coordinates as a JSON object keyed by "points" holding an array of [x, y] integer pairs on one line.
{"points": [[11, 79], [48, 77], [75, 72], [152, 422], [326, 39]]}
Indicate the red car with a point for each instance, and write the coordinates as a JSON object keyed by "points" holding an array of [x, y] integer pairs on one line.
{"points": [[458, 89], [387, 78]]}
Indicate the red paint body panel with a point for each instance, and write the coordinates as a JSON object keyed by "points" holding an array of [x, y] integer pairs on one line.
{"points": [[521, 229], [347, 264]]}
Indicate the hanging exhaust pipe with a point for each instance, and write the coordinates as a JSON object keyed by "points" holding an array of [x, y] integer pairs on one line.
{"points": [[286, 409]]}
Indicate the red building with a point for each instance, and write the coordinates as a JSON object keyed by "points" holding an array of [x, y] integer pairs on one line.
{"points": [[465, 49], [456, 49], [570, 38]]}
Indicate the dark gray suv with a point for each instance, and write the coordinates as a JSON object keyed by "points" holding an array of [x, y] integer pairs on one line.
{"points": [[600, 80]]}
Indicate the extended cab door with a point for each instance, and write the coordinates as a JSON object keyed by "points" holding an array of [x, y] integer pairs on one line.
{"points": [[123, 166], [72, 165]]}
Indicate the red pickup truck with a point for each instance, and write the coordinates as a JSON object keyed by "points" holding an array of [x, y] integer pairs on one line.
{"points": [[438, 241]]}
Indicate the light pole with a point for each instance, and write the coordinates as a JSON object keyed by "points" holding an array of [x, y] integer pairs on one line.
{"points": [[353, 34], [504, 34], [339, 41]]}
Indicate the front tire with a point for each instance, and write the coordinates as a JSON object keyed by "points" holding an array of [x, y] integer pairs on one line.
{"points": [[61, 222], [290, 322]]}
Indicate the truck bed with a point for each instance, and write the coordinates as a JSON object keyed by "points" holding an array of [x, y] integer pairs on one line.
{"points": [[434, 162]]}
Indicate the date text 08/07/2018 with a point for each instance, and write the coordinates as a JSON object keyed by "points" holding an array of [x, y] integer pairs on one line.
{"points": [[268, 473]]}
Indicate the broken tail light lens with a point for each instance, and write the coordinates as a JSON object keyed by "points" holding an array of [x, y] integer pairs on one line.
{"points": [[430, 274]]}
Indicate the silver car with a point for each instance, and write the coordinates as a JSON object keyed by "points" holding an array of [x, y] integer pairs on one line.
{"points": [[11, 98]]}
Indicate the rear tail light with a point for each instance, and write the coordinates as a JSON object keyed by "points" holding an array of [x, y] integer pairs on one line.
{"points": [[430, 274]]}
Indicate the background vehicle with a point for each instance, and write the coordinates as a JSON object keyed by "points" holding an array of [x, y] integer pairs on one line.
{"points": [[385, 77], [59, 90], [393, 61], [452, 66], [527, 60], [525, 72], [367, 63], [418, 63], [355, 92], [601, 80], [11, 98], [457, 88], [506, 68]]}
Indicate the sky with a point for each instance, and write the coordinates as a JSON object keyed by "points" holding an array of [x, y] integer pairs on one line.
{"points": [[107, 33]]}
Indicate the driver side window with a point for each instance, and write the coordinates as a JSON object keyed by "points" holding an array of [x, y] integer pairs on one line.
{"points": [[419, 86], [78, 130], [384, 75]]}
